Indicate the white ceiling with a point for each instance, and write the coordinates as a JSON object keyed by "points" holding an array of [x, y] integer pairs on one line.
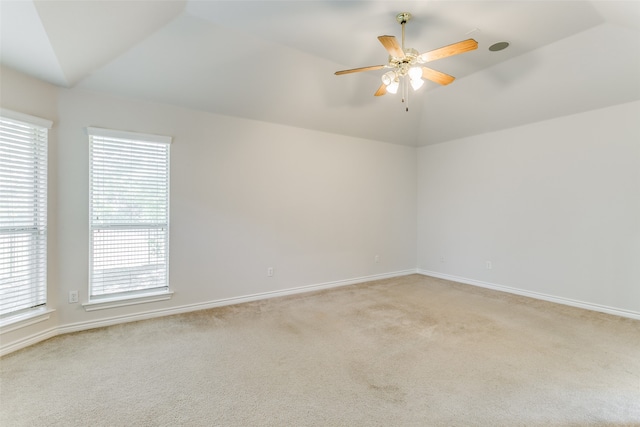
{"points": [[274, 60]]}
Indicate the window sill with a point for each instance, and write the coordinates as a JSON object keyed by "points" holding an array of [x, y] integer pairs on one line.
{"points": [[105, 303], [25, 319]]}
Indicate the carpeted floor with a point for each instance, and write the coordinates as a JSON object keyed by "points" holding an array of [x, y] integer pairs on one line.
{"points": [[410, 351]]}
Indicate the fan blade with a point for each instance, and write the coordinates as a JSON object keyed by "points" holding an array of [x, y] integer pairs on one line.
{"points": [[391, 44], [357, 70], [381, 90], [452, 49], [437, 76]]}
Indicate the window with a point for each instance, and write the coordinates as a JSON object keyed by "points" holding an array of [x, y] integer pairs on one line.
{"points": [[23, 213], [129, 214]]}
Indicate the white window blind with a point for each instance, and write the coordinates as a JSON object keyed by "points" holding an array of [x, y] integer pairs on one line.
{"points": [[23, 213], [129, 213]]}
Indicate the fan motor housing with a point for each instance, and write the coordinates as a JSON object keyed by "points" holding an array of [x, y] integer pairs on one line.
{"points": [[411, 57]]}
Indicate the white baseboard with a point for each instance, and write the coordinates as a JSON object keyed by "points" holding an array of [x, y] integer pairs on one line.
{"points": [[27, 341], [81, 326], [536, 295], [150, 314]]}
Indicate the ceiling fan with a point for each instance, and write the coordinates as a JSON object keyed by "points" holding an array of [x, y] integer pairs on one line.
{"points": [[405, 64]]}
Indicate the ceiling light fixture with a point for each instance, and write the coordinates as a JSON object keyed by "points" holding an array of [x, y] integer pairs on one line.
{"points": [[406, 64]]}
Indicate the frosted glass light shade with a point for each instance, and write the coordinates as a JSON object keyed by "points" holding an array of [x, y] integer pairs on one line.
{"points": [[388, 77], [393, 86], [415, 73]]}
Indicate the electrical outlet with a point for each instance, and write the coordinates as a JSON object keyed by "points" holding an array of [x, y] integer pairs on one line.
{"points": [[442, 259], [73, 297], [376, 259], [270, 272], [489, 265]]}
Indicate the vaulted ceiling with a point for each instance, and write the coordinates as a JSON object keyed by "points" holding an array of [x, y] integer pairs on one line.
{"points": [[274, 60]]}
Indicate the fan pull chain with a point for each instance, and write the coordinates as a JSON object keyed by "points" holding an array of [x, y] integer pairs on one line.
{"points": [[406, 91]]}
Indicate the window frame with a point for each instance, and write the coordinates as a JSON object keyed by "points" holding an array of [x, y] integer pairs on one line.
{"points": [[38, 280], [102, 300]]}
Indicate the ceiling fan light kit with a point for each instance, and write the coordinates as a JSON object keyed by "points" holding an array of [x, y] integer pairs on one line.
{"points": [[406, 64]]}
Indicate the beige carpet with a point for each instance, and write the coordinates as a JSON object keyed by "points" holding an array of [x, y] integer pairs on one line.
{"points": [[411, 351]]}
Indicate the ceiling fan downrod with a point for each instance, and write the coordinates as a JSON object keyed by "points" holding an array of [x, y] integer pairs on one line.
{"points": [[403, 18]]}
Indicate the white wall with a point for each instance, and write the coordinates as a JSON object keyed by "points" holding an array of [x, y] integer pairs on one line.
{"points": [[245, 196], [555, 206]]}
